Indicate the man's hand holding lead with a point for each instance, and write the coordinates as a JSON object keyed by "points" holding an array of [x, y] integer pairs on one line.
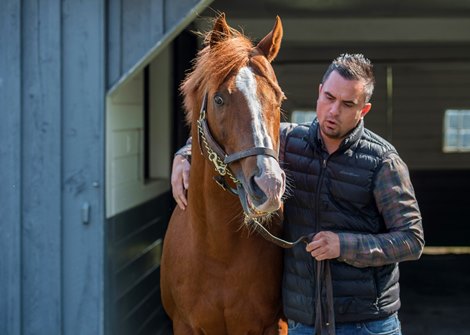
{"points": [[325, 245]]}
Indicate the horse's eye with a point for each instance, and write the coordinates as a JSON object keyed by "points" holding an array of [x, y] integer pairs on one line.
{"points": [[218, 100]]}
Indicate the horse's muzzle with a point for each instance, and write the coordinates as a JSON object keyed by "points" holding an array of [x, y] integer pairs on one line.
{"points": [[265, 189]]}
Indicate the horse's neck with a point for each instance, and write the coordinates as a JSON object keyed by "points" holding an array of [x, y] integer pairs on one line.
{"points": [[215, 212], [205, 191]]}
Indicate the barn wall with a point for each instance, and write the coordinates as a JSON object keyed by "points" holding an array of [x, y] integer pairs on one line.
{"points": [[41, 121], [10, 173], [423, 91], [83, 84], [138, 30], [53, 86], [415, 85], [52, 167]]}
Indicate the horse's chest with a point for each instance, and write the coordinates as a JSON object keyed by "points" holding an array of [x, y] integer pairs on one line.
{"points": [[234, 290]]}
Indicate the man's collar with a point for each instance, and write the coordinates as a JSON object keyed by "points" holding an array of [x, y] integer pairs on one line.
{"points": [[353, 136]]}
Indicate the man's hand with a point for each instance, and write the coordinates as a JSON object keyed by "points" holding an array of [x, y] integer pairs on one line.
{"points": [[325, 245], [180, 180]]}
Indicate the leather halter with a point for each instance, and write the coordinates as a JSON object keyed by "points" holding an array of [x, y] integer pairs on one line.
{"points": [[216, 154]]}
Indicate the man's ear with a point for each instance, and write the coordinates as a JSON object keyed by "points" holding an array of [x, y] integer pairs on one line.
{"points": [[366, 109]]}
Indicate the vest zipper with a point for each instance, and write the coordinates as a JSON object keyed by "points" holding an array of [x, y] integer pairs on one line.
{"points": [[317, 195]]}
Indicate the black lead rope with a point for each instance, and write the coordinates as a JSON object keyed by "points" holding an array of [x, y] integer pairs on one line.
{"points": [[324, 310], [324, 304], [260, 229]]}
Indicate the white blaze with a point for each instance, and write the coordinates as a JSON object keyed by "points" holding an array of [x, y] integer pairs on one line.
{"points": [[246, 84], [272, 180]]}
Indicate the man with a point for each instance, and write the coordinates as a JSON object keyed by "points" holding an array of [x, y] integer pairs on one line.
{"points": [[353, 192]]}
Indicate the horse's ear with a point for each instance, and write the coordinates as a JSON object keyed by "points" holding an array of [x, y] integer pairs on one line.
{"points": [[271, 43], [221, 30]]}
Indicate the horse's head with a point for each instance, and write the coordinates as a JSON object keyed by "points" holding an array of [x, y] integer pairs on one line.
{"points": [[235, 84]]}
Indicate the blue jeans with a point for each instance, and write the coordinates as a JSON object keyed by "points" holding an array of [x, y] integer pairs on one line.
{"points": [[387, 326]]}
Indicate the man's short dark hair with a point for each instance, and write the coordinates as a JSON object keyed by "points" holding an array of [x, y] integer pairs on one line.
{"points": [[354, 67]]}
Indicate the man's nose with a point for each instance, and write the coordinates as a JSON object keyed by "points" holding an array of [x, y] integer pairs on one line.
{"points": [[335, 109]]}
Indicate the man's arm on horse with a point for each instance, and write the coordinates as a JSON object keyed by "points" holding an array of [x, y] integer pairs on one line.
{"points": [[180, 174]]}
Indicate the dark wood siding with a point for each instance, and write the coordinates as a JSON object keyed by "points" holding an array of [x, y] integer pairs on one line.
{"points": [[443, 197], [422, 93], [425, 81], [134, 241]]}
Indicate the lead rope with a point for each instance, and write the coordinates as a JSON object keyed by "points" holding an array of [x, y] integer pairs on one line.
{"points": [[324, 311], [266, 234]]}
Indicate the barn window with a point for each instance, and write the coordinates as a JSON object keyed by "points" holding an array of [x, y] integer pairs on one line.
{"points": [[303, 116], [138, 136], [457, 130]]}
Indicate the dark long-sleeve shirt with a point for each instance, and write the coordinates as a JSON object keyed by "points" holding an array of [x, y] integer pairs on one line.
{"points": [[396, 201]]}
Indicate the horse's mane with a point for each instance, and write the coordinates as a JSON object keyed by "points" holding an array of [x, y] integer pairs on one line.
{"points": [[213, 64]]}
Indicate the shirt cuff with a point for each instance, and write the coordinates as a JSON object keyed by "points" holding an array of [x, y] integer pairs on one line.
{"points": [[347, 245]]}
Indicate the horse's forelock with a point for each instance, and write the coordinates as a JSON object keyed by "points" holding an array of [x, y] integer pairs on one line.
{"points": [[211, 68]]}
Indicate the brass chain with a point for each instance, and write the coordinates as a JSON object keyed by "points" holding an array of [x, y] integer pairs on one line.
{"points": [[220, 167]]}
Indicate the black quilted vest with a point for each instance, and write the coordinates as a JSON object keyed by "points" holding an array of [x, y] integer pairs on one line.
{"points": [[335, 193]]}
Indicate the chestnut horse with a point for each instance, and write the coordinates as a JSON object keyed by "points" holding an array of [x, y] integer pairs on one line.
{"points": [[217, 276]]}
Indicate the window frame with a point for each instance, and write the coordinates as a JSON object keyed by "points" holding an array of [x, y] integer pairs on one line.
{"points": [[459, 130], [308, 116]]}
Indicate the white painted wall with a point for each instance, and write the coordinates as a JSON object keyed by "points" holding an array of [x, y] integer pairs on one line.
{"points": [[125, 184]]}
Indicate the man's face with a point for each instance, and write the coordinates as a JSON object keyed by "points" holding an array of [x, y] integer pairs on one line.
{"points": [[340, 106]]}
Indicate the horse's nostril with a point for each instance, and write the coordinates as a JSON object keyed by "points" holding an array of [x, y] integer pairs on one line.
{"points": [[258, 195]]}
